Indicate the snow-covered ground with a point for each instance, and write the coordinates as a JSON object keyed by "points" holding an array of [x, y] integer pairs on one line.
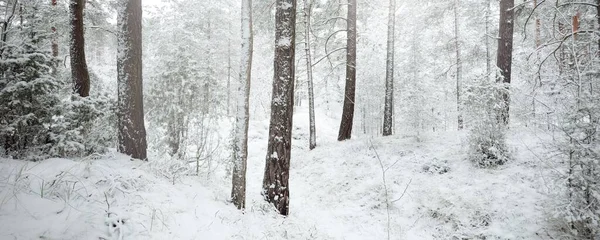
{"points": [[336, 192]]}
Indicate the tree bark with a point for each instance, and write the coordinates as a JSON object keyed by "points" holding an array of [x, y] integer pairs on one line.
{"points": [[275, 182], [312, 143], [458, 66], [488, 49], [79, 69], [54, 36], [504, 55], [130, 113], [388, 111], [238, 191], [350, 90]]}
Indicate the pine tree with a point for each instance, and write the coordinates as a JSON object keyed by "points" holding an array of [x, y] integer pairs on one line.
{"points": [[79, 69], [28, 92], [275, 183], [130, 113], [388, 111], [350, 91]]}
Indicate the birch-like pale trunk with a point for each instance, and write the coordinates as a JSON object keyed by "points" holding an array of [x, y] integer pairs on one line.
{"points": [[388, 110], [130, 113], [350, 90], [276, 188], [242, 117], [312, 143], [458, 66]]}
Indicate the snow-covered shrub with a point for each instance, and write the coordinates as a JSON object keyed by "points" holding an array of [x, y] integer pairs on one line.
{"points": [[28, 95], [487, 133], [82, 126], [436, 167], [581, 208]]}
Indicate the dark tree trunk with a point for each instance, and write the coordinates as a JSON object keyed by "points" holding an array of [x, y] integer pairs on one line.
{"points": [[504, 55], [349, 93], [54, 36], [275, 182], [130, 112], [388, 111], [598, 18], [79, 70]]}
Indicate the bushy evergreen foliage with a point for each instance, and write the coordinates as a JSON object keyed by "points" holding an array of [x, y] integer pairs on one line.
{"points": [[487, 134]]}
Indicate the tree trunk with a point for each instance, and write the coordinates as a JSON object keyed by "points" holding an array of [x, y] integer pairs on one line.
{"points": [[598, 18], [79, 70], [130, 113], [488, 49], [275, 182], [54, 35], [388, 111], [504, 55], [458, 66], [229, 75], [240, 154], [312, 143], [349, 93]]}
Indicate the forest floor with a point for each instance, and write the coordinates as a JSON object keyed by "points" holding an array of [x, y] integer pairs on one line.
{"points": [[336, 192]]}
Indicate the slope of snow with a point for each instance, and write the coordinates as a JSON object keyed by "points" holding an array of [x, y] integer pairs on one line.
{"points": [[336, 192]]}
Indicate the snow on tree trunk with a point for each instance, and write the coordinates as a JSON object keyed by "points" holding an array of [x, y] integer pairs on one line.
{"points": [[488, 49], [388, 111], [504, 54], [275, 182], [240, 154], [130, 112], [349, 92], [54, 35], [79, 70], [312, 143], [458, 66]]}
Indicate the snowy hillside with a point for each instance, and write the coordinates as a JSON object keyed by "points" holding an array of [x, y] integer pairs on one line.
{"points": [[337, 192]]}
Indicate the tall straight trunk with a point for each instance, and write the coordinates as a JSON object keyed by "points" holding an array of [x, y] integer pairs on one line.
{"points": [[312, 143], [388, 111], [598, 18], [458, 66], [538, 25], [54, 36], [242, 117], [275, 183], [349, 93], [504, 55], [229, 75], [488, 49], [79, 69], [130, 112]]}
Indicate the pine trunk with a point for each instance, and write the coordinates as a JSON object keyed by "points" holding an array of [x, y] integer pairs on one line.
{"points": [[349, 93], [79, 70], [54, 36], [312, 143], [458, 66], [240, 154], [130, 113], [388, 111], [275, 182], [504, 55], [488, 49]]}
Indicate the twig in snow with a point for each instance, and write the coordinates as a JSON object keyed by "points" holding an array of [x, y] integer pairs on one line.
{"points": [[404, 192], [387, 201]]}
